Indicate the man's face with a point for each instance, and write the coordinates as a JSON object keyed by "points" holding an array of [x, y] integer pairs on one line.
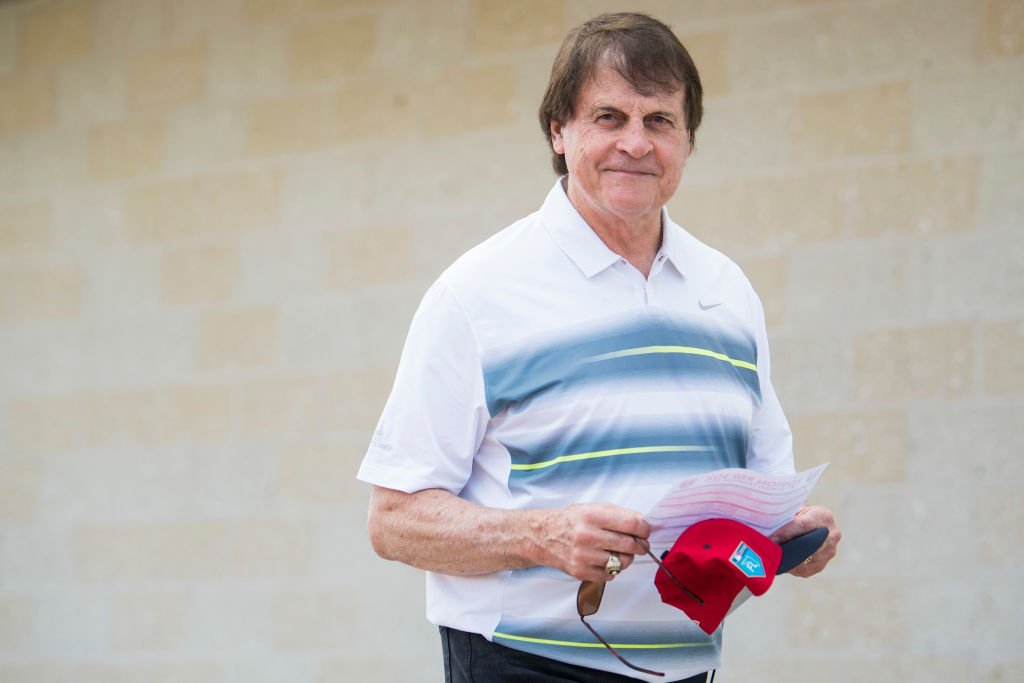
{"points": [[625, 151]]}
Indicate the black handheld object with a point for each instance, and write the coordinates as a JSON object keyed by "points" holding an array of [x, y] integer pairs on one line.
{"points": [[799, 548]]}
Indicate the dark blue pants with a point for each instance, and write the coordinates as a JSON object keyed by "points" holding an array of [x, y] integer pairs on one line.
{"points": [[471, 658]]}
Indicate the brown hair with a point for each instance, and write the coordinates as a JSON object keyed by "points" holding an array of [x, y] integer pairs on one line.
{"points": [[643, 50]]}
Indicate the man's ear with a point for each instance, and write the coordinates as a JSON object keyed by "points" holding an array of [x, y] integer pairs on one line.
{"points": [[557, 141]]}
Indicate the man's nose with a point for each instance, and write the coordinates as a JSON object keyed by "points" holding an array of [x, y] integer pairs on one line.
{"points": [[634, 140]]}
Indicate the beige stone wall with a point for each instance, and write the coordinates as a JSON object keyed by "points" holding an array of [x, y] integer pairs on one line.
{"points": [[217, 217]]}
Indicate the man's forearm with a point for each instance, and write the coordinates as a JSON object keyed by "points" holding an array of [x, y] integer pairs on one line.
{"points": [[437, 531]]}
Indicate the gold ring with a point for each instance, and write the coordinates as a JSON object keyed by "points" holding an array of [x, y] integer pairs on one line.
{"points": [[614, 565], [810, 558]]}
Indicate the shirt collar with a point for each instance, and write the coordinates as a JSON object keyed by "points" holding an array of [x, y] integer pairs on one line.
{"points": [[573, 235], [674, 243], [581, 244]]}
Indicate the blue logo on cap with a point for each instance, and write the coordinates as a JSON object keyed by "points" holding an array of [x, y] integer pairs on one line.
{"points": [[748, 562]]}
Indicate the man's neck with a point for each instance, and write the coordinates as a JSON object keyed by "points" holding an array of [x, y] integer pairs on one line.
{"points": [[637, 241]]}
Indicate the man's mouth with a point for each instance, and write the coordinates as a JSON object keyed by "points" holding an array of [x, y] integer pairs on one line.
{"points": [[630, 171]]}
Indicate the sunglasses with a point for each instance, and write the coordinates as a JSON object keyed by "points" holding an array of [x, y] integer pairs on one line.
{"points": [[588, 600]]}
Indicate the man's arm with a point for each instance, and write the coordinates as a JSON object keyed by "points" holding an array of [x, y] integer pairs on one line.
{"points": [[440, 532]]}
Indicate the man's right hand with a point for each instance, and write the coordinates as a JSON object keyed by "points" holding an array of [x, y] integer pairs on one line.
{"points": [[579, 539]]}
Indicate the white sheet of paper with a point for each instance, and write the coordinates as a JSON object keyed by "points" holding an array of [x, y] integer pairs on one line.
{"points": [[762, 501]]}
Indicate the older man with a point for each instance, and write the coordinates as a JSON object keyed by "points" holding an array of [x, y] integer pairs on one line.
{"points": [[561, 376]]}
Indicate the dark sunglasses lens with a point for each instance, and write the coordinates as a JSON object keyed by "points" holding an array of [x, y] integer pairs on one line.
{"points": [[588, 598]]}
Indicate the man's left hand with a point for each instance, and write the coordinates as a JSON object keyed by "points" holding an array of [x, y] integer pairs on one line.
{"points": [[808, 518]]}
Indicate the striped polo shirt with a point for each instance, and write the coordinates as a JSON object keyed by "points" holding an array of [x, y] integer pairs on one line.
{"points": [[543, 370]]}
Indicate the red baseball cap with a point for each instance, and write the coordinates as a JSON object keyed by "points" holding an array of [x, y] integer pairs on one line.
{"points": [[717, 558]]}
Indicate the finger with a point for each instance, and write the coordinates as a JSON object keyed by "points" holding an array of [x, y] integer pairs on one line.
{"points": [[806, 519], [619, 520]]}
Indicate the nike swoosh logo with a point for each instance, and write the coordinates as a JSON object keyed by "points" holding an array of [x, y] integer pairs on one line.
{"points": [[708, 307]]}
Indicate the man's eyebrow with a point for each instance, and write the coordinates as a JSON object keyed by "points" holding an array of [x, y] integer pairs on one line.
{"points": [[609, 109], [605, 108]]}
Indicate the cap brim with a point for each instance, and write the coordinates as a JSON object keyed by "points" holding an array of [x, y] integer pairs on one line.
{"points": [[798, 549]]}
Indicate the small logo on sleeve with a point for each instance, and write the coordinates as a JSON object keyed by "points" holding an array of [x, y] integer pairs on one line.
{"points": [[748, 562], [379, 440]]}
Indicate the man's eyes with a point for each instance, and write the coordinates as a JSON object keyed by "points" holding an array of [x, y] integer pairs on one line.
{"points": [[656, 120]]}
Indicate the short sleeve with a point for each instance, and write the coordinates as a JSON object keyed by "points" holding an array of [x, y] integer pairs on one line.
{"points": [[770, 448], [436, 416]]}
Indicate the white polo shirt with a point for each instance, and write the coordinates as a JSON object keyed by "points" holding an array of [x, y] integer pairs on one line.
{"points": [[542, 370]]}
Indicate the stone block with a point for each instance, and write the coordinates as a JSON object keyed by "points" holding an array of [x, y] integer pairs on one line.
{"points": [[8, 44], [206, 137], [356, 396], [769, 276], [711, 52], [126, 149], [27, 101], [16, 623], [752, 213], [859, 122], [1001, 536], [863, 447], [836, 43], [248, 65], [41, 424], [1004, 28], [239, 339], [197, 413], [843, 284], [385, 108], [306, 621], [42, 293], [269, 11], [921, 198], [951, 442], [733, 144], [280, 408], [846, 668], [812, 371], [203, 206], [502, 27], [200, 275], [856, 616], [469, 99], [928, 362], [92, 92], [967, 107], [1002, 671], [371, 255], [168, 78], [250, 549], [967, 275], [20, 483], [289, 125], [119, 417], [89, 671], [332, 49], [148, 621], [999, 203], [320, 474], [428, 33], [1003, 362], [56, 33], [25, 226]]}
